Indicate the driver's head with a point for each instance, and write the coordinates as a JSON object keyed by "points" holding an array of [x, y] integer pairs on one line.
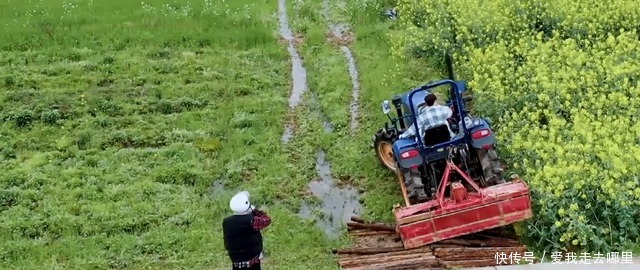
{"points": [[430, 99]]}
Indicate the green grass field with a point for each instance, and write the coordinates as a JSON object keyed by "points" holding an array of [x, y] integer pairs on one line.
{"points": [[127, 127]]}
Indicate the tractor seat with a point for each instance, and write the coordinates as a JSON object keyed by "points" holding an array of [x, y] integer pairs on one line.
{"points": [[436, 135]]}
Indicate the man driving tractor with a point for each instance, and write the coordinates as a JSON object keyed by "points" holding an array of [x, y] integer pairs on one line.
{"points": [[431, 115]]}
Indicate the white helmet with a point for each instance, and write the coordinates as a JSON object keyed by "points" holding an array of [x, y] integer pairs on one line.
{"points": [[240, 203]]}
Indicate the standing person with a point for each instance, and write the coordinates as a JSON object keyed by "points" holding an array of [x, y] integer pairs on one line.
{"points": [[242, 237]]}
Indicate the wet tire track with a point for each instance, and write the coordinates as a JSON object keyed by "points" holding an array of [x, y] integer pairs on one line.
{"points": [[342, 33], [353, 71], [298, 72], [339, 204]]}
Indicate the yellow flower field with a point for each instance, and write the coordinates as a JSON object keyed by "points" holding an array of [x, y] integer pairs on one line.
{"points": [[560, 84]]}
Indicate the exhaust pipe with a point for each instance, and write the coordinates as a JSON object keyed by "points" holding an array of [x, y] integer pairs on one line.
{"points": [[397, 102], [449, 62]]}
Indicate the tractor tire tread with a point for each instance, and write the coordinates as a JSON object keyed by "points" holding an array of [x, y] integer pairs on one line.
{"points": [[383, 136]]}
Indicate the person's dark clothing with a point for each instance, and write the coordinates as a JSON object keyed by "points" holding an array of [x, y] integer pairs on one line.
{"points": [[243, 240]]}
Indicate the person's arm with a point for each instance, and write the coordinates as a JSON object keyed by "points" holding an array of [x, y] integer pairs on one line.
{"points": [[260, 220], [411, 131], [408, 133]]}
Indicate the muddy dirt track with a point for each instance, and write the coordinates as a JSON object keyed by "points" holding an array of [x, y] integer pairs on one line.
{"points": [[298, 72], [340, 33], [377, 246], [338, 203]]}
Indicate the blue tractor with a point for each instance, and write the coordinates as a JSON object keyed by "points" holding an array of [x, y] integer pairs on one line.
{"points": [[420, 162]]}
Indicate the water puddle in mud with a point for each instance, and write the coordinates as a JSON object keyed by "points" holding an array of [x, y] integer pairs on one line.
{"points": [[339, 31], [353, 72], [298, 72], [288, 133], [338, 204], [217, 189]]}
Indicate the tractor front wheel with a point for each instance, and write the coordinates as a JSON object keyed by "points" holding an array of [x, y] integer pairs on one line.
{"points": [[383, 145]]}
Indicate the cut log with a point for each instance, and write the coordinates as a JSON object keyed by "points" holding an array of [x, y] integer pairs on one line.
{"points": [[381, 259], [388, 240], [376, 248], [373, 226], [479, 243], [422, 251], [470, 263], [370, 233], [481, 255], [434, 246], [357, 219], [418, 263], [413, 267], [465, 257], [469, 256], [367, 250], [492, 251]]}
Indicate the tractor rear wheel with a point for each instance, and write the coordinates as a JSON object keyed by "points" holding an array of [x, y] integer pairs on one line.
{"points": [[491, 166], [383, 145]]}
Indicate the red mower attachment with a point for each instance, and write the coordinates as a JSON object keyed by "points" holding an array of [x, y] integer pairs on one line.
{"points": [[461, 212]]}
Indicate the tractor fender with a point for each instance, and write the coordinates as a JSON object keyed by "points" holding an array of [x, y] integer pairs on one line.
{"points": [[480, 124], [401, 146]]}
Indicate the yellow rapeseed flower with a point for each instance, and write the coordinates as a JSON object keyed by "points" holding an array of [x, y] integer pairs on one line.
{"points": [[560, 101]]}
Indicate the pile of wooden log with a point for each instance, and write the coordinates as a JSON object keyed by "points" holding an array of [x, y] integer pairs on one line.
{"points": [[378, 246]]}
